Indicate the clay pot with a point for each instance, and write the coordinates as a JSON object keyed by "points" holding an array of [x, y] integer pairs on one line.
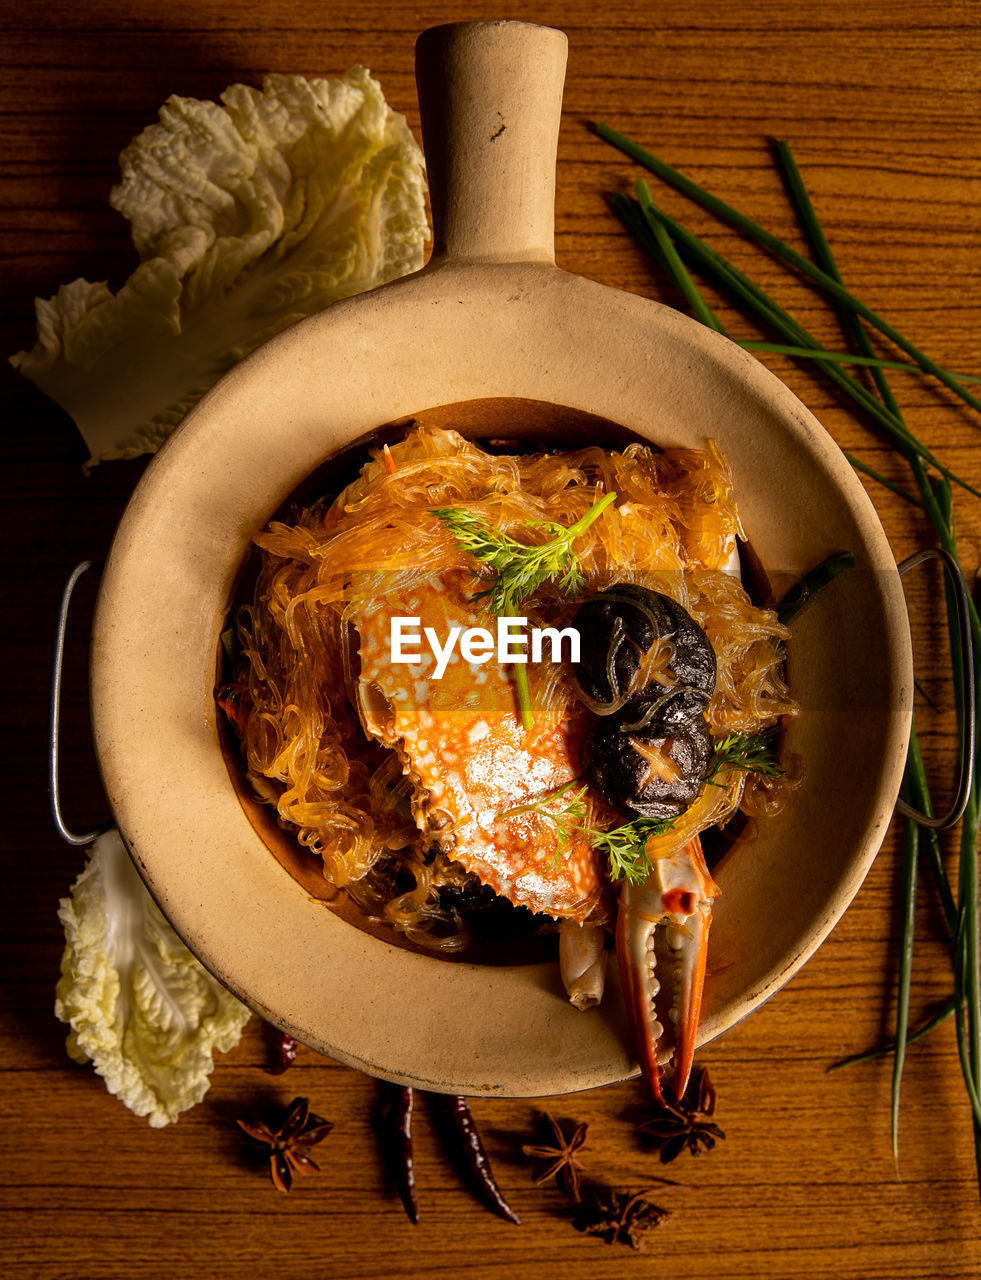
{"points": [[491, 326]]}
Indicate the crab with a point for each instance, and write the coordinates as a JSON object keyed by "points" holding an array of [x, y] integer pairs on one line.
{"points": [[475, 770]]}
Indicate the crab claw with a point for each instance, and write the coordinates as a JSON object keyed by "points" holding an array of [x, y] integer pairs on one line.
{"points": [[662, 945]]}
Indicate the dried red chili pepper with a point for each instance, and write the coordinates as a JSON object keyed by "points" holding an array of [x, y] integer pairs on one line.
{"points": [[460, 1128], [397, 1144], [284, 1053]]}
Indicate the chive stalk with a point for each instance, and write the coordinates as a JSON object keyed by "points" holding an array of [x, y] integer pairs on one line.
{"points": [[943, 1014], [841, 357], [678, 269], [523, 695], [811, 582], [941, 514], [758, 301], [919, 797], [911, 845], [898, 490], [938, 502], [661, 247]]}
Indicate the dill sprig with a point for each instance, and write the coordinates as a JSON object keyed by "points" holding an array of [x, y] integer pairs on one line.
{"points": [[521, 568], [568, 819], [745, 752], [626, 847]]}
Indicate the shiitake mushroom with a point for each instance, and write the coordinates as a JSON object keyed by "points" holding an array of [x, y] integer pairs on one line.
{"points": [[656, 771], [650, 750], [618, 627]]}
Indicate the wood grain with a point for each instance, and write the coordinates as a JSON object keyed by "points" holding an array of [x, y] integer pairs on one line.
{"points": [[881, 104]]}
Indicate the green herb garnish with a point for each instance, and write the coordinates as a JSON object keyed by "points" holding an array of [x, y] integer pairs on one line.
{"points": [[521, 568], [626, 847], [745, 752], [568, 819]]}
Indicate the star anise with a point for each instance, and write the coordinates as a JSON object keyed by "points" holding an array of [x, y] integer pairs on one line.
{"points": [[686, 1123], [560, 1159], [290, 1143], [619, 1217]]}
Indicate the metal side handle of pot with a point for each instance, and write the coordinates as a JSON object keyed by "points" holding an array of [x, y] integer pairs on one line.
{"points": [[54, 717]]}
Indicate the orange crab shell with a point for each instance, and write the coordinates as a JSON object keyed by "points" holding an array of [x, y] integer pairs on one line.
{"points": [[462, 740]]}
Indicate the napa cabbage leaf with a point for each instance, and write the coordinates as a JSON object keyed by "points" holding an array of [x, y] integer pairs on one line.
{"points": [[247, 215], [141, 1008]]}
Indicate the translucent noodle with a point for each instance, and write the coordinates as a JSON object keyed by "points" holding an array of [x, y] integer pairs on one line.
{"points": [[346, 798]]}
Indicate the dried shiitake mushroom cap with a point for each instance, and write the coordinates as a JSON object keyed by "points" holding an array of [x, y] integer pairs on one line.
{"points": [[655, 771], [620, 628]]}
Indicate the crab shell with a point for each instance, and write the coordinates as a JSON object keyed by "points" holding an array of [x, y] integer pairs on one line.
{"points": [[461, 741]]}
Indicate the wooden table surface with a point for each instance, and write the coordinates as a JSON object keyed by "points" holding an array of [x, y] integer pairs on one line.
{"points": [[881, 103]]}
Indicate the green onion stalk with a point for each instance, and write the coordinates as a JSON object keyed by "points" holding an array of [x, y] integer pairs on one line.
{"points": [[680, 252]]}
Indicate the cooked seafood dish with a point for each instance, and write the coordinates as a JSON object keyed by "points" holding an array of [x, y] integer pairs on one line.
{"points": [[435, 775]]}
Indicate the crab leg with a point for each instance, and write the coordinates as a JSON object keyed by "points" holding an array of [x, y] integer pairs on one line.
{"points": [[662, 945], [582, 963]]}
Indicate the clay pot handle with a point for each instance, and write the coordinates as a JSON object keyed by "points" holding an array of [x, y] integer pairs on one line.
{"points": [[490, 94]]}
